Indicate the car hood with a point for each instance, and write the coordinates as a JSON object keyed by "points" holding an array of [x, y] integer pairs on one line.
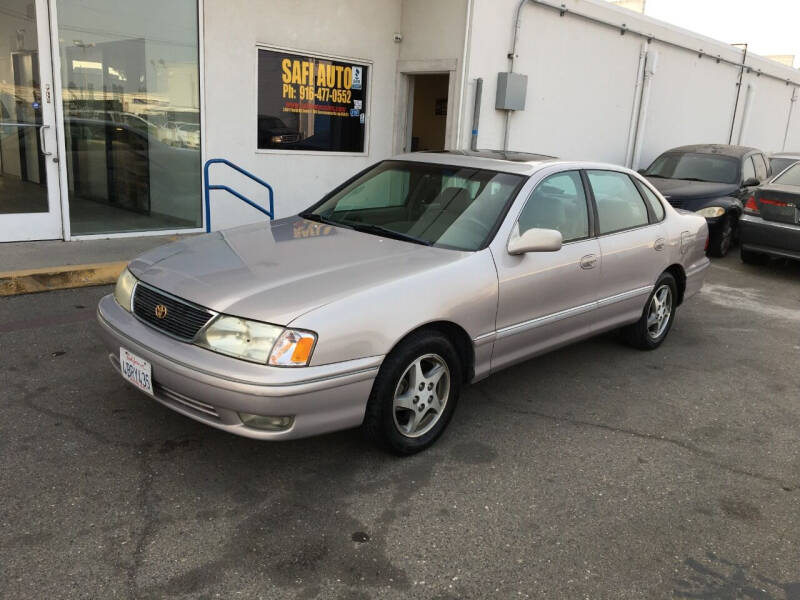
{"points": [[680, 189], [279, 270]]}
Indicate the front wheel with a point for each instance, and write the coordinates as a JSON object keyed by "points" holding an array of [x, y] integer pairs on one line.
{"points": [[414, 394], [721, 237], [652, 328]]}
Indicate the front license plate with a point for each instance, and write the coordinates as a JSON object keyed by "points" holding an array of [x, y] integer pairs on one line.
{"points": [[136, 370]]}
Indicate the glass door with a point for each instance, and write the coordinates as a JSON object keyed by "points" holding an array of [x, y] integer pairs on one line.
{"points": [[30, 202]]}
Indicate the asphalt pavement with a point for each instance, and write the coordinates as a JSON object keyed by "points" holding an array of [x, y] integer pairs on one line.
{"points": [[597, 471]]}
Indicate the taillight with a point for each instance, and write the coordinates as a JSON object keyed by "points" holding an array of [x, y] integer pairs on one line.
{"points": [[772, 202], [751, 205]]}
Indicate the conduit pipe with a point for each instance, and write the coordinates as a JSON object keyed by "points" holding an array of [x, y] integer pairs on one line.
{"points": [[637, 99], [650, 62], [748, 102], [476, 113], [789, 119]]}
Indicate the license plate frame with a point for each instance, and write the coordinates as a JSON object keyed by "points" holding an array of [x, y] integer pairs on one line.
{"points": [[136, 371]]}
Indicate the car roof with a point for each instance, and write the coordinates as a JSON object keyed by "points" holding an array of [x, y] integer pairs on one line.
{"points": [[720, 149], [785, 155], [522, 163]]}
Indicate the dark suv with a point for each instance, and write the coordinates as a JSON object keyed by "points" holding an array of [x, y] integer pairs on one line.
{"points": [[712, 180]]}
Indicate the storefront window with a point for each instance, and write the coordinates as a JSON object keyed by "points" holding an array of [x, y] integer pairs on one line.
{"points": [[310, 103], [131, 94]]}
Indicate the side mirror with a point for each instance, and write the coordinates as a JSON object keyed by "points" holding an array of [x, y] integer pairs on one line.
{"points": [[536, 240], [752, 181]]}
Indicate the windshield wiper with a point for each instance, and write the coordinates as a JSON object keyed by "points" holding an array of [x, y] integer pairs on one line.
{"points": [[390, 233], [320, 219], [696, 179]]}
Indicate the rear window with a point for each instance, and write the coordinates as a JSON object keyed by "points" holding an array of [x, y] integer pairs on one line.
{"points": [[695, 167], [779, 164], [790, 177]]}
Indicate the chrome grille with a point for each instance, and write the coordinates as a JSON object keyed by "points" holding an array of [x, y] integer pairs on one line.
{"points": [[182, 319]]}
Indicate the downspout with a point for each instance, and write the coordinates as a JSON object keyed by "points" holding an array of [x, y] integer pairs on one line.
{"points": [[637, 99], [738, 90], [748, 101], [789, 119], [476, 113], [650, 62], [511, 56]]}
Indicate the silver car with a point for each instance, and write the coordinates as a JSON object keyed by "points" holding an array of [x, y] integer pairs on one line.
{"points": [[418, 275]]}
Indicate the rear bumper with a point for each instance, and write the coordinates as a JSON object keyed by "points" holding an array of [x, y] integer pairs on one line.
{"points": [[769, 237], [695, 275], [214, 389]]}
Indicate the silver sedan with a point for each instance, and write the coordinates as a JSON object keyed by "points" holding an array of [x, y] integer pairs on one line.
{"points": [[378, 303]]}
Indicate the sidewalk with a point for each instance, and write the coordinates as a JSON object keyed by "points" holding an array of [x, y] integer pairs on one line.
{"points": [[27, 267]]}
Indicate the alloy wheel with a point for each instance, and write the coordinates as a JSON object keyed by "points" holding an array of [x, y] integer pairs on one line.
{"points": [[421, 395], [659, 312]]}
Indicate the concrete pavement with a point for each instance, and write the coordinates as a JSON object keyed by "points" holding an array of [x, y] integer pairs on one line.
{"points": [[597, 471]]}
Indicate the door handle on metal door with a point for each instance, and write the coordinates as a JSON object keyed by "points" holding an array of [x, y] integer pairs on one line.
{"points": [[658, 245], [41, 140], [589, 261]]}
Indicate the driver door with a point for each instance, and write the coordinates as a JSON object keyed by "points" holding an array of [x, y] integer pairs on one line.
{"points": [[546, 299]]}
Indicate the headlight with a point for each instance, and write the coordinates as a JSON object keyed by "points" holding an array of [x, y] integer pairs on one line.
{"points": [[711, 211], [123, 290], [240, 338], [293, 348]]}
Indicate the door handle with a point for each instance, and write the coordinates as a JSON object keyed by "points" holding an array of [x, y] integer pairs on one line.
{"points": [[41, 140], [658, 245], [589, 261]]}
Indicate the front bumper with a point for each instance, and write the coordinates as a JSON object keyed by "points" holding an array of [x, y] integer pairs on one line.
{"points": [[770, 237], [214, 389]]}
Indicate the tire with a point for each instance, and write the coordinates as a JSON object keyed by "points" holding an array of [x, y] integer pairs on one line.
{"points": [[753, 258], [721, 237], [649, 337], [388, 420]]}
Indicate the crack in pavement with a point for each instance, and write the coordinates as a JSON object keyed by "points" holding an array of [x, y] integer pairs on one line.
{"points": [[705, 455]]}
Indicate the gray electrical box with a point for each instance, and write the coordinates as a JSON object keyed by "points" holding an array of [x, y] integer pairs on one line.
{"points": [[511, 88]]}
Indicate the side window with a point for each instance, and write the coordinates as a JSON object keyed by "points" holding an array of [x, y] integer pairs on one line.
{"points": [[619, 204], [653, 201], [558, 202], [748, 170], [761, 167]]}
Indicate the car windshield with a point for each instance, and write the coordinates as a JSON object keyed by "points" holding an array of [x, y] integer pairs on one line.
{"points": [[436, 205], [790, 176], [695, 167]]}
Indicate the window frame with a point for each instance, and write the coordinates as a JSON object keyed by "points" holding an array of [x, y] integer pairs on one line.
{"points": [[742, 178], [590, 215], [764, 163], [648, 210], [324, 56]]}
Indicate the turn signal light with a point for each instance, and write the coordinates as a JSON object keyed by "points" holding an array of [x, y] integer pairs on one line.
{"points": [[751, 205]]}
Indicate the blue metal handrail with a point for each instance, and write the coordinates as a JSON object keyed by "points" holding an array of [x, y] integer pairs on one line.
{"points": [[208, 187]]}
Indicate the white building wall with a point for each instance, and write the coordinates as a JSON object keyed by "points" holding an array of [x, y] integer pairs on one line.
{"points": [[582, 79], [358, 29]]}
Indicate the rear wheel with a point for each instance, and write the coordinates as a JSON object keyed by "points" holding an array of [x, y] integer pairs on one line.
{"points": [[652, 328], [414, 394], [721, 236], [753, 258]]}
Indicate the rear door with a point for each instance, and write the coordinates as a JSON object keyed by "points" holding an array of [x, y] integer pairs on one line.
{"points": [[632, 243], [546, 298]]}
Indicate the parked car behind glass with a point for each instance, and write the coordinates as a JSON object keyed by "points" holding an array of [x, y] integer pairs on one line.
{"points": [[771, 223], [416, 276], [712, 180]]}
